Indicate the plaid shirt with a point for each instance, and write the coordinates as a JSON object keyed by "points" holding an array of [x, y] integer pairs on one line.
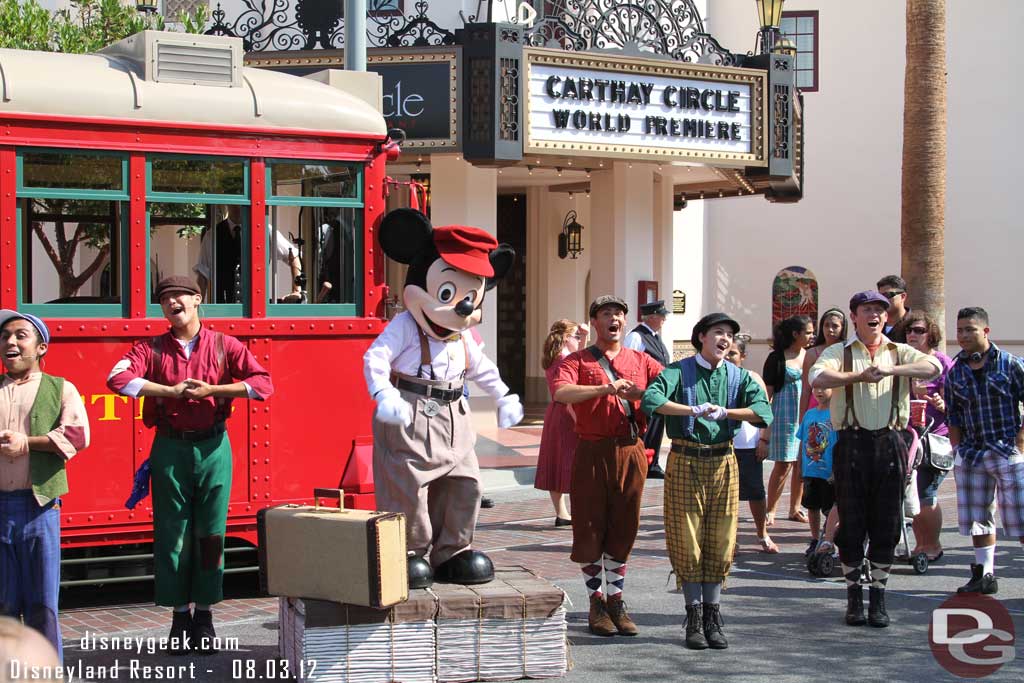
{"points": [[988, 413]]}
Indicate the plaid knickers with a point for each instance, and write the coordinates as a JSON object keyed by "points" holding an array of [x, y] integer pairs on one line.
{"points": [[701, 512], [977, 486]]}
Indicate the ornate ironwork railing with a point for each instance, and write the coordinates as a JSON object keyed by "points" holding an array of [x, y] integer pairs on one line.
{"points": [[672, 28], [665, 27], [308, 24]]}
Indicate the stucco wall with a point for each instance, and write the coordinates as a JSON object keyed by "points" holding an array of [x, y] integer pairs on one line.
{"points": [[847, 228]]}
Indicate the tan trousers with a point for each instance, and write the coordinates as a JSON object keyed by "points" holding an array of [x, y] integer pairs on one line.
{"points": [[701, 512], [429, 471]]}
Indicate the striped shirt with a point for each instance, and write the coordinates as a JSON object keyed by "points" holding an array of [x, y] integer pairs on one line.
{"points": [[987, 411]]}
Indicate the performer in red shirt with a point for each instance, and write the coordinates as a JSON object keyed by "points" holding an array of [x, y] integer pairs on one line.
{"points": [[189, 376], [604, 384]]}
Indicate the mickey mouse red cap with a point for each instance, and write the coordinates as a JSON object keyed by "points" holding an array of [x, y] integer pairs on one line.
{"points": [[466, 248]]}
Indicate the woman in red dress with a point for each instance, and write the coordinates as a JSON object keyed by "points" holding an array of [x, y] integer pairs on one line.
{"points": [[558, 439]]}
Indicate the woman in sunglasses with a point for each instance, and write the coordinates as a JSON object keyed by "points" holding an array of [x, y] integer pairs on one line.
{"points": [[918, 330]]}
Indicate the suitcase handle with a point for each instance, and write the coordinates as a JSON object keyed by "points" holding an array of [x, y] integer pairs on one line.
{"points": [[337, 494]]}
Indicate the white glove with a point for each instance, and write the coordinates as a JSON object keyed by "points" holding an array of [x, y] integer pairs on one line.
{"points": [[699, 410], [510, 411], [392, 409], [715, 413]]}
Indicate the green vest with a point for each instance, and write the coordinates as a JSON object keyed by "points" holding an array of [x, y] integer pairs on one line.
{"points": [[49, 480]]}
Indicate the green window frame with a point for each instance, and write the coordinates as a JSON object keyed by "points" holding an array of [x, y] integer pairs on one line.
{"points": [[74, 310], [207, 310], [310, 310]]}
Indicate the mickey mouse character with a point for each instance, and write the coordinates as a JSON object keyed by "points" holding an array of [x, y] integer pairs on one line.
{"points": [[424, 463]]}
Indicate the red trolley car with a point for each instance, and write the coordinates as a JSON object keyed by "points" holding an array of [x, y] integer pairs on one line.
{"points": [[163, 155]]}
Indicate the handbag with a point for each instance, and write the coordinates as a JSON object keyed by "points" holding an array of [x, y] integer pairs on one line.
{"points": [[940, 452]]}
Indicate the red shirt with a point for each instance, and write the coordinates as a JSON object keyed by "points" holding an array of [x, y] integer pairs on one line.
{"points": [[604, 416], [238, 365]]}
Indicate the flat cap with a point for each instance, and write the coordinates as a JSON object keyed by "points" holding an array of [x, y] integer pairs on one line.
{"points": [[869, 296], [175, 284], [7, 315], [607, 300], [709, 321]]}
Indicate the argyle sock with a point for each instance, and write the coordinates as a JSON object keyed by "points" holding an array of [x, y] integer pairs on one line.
{"points": [[879, 574], [614, 575], [592, 573], [852, 574], [986, 557]]}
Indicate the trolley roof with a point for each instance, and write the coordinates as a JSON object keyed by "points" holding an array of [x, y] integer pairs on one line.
{"points": [[113, 86]]}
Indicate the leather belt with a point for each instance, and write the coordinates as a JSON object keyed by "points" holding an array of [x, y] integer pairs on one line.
{"points": [[440, 395], [700, 450], [191, 434]]}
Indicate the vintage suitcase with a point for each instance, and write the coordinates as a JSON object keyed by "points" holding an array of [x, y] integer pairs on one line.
{"points": [[350, 556]]}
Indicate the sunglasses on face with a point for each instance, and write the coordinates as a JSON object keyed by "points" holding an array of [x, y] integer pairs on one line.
{"points": [[917, 330], [893, 293]]}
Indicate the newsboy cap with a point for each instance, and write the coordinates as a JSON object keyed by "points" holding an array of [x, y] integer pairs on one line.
{"points": [[709, 321], [176, 283], [869, 296], [607, 300]]}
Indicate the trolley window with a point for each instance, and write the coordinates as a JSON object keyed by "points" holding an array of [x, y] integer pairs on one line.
{"points": [[197, 212], [315, 238], [72, 217]]}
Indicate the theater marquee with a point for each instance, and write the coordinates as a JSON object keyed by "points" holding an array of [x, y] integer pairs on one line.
{"points": [[598, 105]]}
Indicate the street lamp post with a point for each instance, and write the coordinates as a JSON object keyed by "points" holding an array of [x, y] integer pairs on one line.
{"points": [[770, 14], [146, 7]]}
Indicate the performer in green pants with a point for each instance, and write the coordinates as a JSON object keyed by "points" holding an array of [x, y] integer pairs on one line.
{"points": [[189, 375]]}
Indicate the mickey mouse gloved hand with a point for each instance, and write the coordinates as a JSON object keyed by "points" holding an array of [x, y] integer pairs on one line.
{"points": [[392, 409], [510, 411], [699, 410]]}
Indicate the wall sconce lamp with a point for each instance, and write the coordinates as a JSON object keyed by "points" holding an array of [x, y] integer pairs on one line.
{"points": [[570, 240]]}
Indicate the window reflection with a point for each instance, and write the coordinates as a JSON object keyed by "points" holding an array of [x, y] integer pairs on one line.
{"points": [[205, 240], [70, 251], [324, 239]]}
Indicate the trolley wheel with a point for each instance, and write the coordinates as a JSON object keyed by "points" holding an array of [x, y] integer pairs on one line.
{"points": [[920, 563], [812, 566], [826, 563]]}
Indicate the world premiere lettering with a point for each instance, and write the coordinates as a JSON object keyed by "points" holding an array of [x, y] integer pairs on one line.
{"points": [[641, 94]]}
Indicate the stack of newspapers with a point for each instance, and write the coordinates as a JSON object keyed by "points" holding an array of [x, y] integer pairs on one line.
{"points": [[511, 628]]}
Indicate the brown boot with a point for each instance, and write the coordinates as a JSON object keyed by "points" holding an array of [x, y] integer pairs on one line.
{"points": [[599, 621], [617, 611]]}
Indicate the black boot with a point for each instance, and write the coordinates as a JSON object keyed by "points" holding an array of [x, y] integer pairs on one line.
{"points": [[980, 583], [695, 639], [419, 571], [877, 615], [179, 640], [655, 471], [855, 606], [203, 635], [713, 627]]}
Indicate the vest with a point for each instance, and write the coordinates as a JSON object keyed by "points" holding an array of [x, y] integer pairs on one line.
{"points": [[688, 366], [652, 345], [227, 271], [49, 479]]}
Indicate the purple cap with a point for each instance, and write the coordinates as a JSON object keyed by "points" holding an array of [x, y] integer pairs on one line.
{"points": [[6, 315], [869, 296]]}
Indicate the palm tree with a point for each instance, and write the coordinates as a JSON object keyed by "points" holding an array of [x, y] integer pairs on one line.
{"points": [[924, 158]]}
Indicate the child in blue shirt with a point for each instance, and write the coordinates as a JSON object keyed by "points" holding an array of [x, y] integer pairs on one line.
{"points": [[817, 439]]}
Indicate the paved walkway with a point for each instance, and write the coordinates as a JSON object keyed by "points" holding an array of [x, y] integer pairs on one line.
{"points": [[782, 622]]}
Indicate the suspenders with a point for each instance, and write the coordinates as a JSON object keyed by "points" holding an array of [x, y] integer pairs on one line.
{"points": [[850, 418], [425, 356]]}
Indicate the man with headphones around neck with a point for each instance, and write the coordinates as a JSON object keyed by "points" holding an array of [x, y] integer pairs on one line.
{"points": [[983, 392], [43, 424]]}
